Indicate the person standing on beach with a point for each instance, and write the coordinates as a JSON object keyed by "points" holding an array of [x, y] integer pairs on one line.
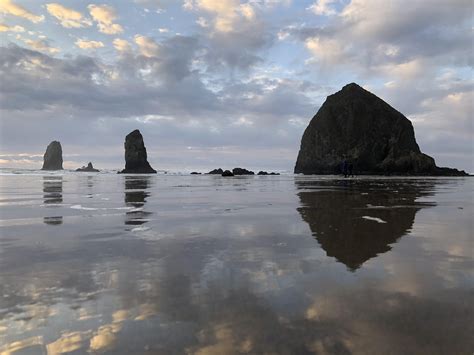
{"points": [[344, 167], [350, 169]]}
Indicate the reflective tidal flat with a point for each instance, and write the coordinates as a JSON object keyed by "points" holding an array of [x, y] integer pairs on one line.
{"points": [[117, 264]]}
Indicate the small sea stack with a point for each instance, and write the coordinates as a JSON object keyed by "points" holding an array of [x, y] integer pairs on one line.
{"points": [[88, 168], [227, 173], [53, 157], [242, 171], [216, 172], [267, 173], [354, 130], [135, 155]]}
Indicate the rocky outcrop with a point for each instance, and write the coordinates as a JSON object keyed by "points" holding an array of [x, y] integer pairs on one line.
{"points": [[227, 173], [267, 173], [53, 157], [355, 126], [195, 173], [88, 168], [216, 172], [242, 171], [135, 155]]}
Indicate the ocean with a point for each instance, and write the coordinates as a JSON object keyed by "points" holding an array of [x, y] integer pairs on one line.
{"points": [[180, 264]]}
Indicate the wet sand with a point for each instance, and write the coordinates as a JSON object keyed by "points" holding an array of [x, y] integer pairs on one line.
{"points": [[116, 264]]}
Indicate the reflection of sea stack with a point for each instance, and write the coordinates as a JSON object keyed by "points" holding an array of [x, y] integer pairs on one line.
{"points": [[53, 158], [135, 196], [53, 197], [360, 221], [135, 155], [356, 125]]}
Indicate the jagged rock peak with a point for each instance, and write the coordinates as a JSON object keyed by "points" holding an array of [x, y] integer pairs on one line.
{"points": [[135, 155], [53, 157]]}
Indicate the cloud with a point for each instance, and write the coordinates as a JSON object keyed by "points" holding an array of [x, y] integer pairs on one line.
{"points": [[105, 16], [68, 18], [122, 45], [41, 45], [10, 8], [147, 46], [6, 28], [323, 7], [85, 44], [227, 14]]}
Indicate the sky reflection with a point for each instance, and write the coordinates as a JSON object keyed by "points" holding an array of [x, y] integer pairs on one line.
{"points": [[263, 273]]}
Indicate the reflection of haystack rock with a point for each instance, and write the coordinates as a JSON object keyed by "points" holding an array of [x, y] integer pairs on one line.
{"points": [[53, 195], [359, 222], [135, 196]]}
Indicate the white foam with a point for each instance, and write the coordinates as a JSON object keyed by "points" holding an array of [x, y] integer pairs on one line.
{"points": [[375, 219], [140, 229], [79, 207]]}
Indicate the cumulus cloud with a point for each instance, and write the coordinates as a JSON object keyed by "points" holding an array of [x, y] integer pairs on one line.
{"points": [[105, 17], [67, 17], [147, 46], [122, 45], [323, 7], [10, 8], [85, 44], [6, 28], [41, 45], [227, 14]]}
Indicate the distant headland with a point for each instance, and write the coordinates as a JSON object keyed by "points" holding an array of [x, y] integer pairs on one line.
{"points": [[354, 132]]}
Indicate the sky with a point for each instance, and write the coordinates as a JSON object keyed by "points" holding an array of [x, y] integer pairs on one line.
{"points": [[225, 83]]}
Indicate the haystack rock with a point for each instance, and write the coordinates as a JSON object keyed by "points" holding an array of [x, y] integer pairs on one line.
{"points": [[88, 168], [359, 127], [135, 155], [53, 157]]}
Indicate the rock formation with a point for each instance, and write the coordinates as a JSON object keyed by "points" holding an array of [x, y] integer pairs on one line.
{"points": [[88, 168], [357, 126], [135, 155], [267, 173], [227, 173], [53, 157], [242, 171], [195, 173], [216, 172]]}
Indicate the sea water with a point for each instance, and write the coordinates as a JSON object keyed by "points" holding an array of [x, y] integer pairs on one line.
{"points": [[180, 264]]}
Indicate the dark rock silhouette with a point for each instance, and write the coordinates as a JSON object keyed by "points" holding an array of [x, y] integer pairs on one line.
{"points": [[216, 172], [242, 171], [135, 155], [53, 198], [359, 220], [195, 173], [356, 125], [53, 157], [88, 168], [136, 193], [227, 173], [266, 173]]}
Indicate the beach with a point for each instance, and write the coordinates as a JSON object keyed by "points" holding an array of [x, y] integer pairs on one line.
{"points": [[288, 264]]}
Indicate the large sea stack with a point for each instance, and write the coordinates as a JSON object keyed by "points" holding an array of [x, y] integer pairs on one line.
{"points": [[53, 158], [355, 126], [135, 155]]}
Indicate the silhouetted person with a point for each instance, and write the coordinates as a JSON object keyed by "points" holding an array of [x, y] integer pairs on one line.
{"points": [[350, 169], [344, 167]]}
